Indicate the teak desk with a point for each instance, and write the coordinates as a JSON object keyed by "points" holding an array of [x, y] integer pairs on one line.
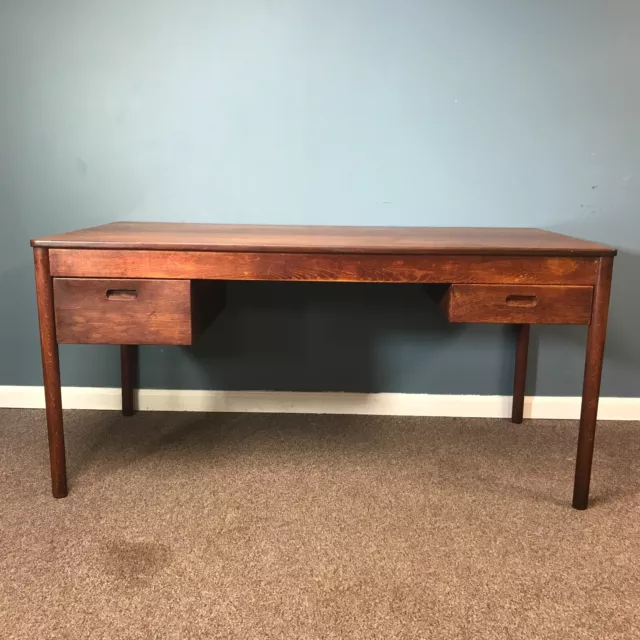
{"points": [[131, 283]]}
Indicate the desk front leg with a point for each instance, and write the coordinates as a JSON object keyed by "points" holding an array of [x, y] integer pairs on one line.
{"points": [[51, 372], [592, 378]]}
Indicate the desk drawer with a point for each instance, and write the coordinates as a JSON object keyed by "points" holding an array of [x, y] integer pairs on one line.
{"points": [[105, 311], [519, 304]]}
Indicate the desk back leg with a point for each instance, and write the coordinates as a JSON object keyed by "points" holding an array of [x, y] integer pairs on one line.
{"points": [[592, 377], [51, 372], [520, 374], [129, 376]]}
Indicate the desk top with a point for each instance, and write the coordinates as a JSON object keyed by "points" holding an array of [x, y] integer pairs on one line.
{"points": [[320, 239]]}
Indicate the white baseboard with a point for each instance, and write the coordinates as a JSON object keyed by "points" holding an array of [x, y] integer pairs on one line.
{"points": [[401, 404]]}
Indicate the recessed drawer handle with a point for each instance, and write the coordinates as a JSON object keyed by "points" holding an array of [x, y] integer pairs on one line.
{"points": [[122, 294], [522, 301]]}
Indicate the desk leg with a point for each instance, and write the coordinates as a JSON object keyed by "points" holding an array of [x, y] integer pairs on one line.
{"points": [[129, 374], [51, 372], [592, 377], [520, 376]]}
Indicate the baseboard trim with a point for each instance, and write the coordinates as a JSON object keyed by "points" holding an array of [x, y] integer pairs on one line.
{"points": [[401, 404]]}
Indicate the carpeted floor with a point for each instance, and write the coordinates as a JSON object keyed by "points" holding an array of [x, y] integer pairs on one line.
{"points": [[316, 527]]}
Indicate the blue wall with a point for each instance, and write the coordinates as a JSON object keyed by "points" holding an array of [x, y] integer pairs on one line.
{"points": [[296, 111]]}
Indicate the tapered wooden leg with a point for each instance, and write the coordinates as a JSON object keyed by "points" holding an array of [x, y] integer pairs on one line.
{"points": [[520, 375], [592, 377], [129, 375], [51, 372]]}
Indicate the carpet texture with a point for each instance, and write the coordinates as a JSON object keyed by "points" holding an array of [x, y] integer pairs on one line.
{"points": [[316, 527]]}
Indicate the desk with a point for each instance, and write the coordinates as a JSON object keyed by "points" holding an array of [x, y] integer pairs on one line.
{"points": [[131, 283]]}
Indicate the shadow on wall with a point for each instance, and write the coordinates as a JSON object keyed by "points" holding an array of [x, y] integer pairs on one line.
{"points": [[316, 336], [330, 337]]}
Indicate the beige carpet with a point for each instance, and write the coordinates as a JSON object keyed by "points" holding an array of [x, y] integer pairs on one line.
{"points": [[316, 527]]}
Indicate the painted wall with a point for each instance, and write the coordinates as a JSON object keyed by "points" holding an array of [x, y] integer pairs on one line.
{"points": [[431, 112]]}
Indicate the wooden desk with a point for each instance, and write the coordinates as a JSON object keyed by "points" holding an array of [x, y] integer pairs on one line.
{"points": [[133, 283]]}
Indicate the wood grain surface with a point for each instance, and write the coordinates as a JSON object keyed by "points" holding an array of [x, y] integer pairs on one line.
{"points": [[134, 311], [321, 239], [515, 304], [157, 312], [115, 263]]}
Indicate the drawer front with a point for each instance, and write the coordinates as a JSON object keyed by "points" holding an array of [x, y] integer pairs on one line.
{"points": [[518, 304], [104, 311]]}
